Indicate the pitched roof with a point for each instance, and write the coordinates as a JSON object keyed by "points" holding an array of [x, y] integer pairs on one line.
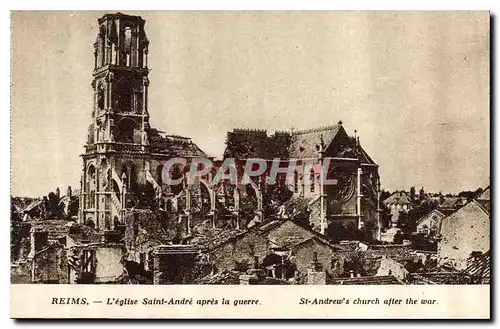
{"points": [[173, 145], [429, 214], [365, 158], [32, 205], [439, 278], [485, 195], [451, 202], [316, 235], [485, 205], [398, 197], [366, 280], [303, 144], [226, 236], [216, 240], [306, 143], [225, 277], [481, 267], [255, 143], [473, 206], [390, 252], [320, 240]]}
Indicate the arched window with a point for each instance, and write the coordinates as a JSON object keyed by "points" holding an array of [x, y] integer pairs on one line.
{"points": [[116, 190], [107, 224], [127, 45], [295, 181], [90, 223], [159, 171], [131, 171], [311, 180], [91, 186], [124, 132], [123, 96], [175, 174], [169, 205], [100, 97], [102, 46]]}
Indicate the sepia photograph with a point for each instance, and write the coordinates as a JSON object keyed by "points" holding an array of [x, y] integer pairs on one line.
{"points": [[238, 148]]}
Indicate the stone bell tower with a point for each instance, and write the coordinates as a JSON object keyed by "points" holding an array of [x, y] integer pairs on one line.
{"points": [[117, 144]]}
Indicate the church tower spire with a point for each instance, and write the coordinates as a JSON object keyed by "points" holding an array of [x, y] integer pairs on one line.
{"points": [[120, 81], [117, 142]]}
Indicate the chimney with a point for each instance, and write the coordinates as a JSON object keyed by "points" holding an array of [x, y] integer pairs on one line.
{"points": [[316, 274], [68, 192]]}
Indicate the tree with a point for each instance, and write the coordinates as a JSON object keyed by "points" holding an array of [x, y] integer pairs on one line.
{"points": [[367, 232], [15, 225], [338, 231], [53, 208], [470, 195], [441, 198], [275, 196], [146, 196], [408, 221], [412, 193], [356, 263], [384, 194], [421, 194]]}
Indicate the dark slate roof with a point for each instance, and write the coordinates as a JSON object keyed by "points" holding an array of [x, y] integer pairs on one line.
{"points": [[429, 213], [481, 267], [398, 197], [485, 195], [440, 278], [218, 239], [173, 145], [364, 157], [255, 143], [451, 202], [486, 205], [32, 205], [305, 144], [397, 253], [366, 280], [268, 226], [175, 249], [225, 236]]}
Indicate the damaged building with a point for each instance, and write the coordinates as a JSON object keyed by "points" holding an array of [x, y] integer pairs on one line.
{"points": [[133, 228]]}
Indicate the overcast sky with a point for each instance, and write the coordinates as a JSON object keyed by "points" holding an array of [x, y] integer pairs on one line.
{"points": [[415, 86]]}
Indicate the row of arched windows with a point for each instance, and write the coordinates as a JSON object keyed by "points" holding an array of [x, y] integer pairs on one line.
{"points": [[130, 54]]}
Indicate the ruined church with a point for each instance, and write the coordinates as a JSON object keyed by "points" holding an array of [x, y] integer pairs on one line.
{"points": [[124, 157]]}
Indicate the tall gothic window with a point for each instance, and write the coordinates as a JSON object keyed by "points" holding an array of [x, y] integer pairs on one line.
{"points": [[311, 180], [128, 45], [136, 101], [123, 96], [100, 97], [295, 182], [91, 186], [125, 131], [102, 46]]}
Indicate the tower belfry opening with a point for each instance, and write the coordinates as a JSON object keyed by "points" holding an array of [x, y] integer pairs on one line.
{"points": [[120, 135]]}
